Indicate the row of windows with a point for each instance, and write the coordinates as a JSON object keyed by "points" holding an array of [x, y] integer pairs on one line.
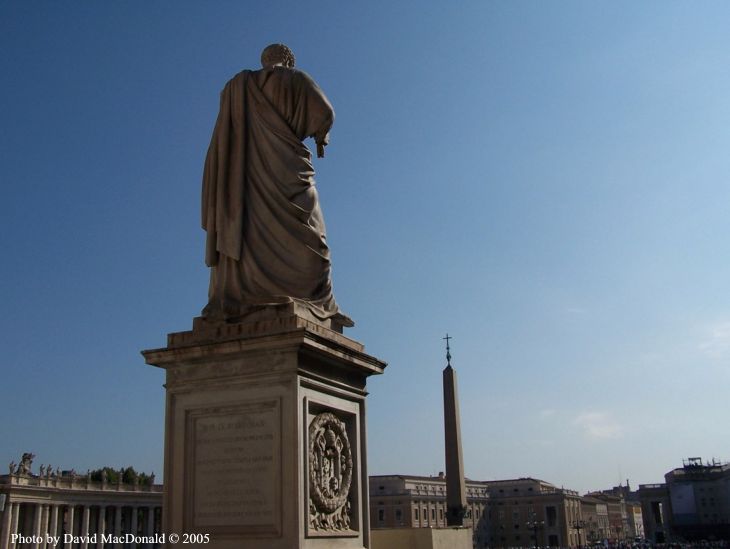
{"points": [[515, 490], [551, 514], [398, 515], [474, 492], [417, 514]]}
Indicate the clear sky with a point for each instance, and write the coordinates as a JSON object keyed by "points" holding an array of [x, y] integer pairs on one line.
{"points": [[546, 181]]}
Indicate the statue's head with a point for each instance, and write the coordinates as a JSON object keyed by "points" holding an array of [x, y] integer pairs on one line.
{"points": [[275, 54]]}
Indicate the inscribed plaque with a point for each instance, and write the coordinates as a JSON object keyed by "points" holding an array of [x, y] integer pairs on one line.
{"points": [[235, 483]]}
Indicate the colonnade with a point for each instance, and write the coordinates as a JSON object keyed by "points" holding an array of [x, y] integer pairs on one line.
{"points": [[36, 521]]}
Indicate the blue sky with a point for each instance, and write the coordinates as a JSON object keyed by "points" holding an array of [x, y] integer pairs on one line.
{"points": [[548, 182]]}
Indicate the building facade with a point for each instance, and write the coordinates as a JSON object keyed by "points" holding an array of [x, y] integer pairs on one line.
{"points": [[692, 505], [503, 513], [635, 520], [656, 512], [625, 514], [35, 506], [529, 512], [700, 500], [618, 519], [409, 501], [596, 527]]}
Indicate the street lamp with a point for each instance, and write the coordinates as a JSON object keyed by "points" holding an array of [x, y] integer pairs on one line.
{"points": [[579, 525], [534, 525]]}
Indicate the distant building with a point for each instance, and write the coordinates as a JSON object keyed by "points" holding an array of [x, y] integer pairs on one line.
{"points": [[618, 522], [656, 512], [527, 512], [700, 500], [693, 504], [624, 491], [635, 520], [409, 501], [625, 517], [596, 527], [58, 503], [503, 513]]}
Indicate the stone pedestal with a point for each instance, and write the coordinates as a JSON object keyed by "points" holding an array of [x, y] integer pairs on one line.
{"points": [[422, 538], [265, 433]]}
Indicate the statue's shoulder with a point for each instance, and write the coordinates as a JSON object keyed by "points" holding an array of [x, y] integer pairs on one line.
{"points": [[238, 80], [302, 75], [241, 76]]}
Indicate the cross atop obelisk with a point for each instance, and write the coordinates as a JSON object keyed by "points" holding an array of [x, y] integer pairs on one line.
{"points": [[455, 485], [448, 349]]}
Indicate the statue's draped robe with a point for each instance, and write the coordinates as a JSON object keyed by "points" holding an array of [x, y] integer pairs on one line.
{"points": [[265, 231]]}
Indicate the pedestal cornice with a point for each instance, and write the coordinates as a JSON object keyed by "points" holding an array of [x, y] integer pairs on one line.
{"points": [[222, 341]]}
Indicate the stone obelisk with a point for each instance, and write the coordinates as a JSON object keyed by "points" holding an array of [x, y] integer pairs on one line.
{"points": [[455, 485]]}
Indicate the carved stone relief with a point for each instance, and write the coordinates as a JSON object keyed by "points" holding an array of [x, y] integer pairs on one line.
{"points": [[330, 474]]}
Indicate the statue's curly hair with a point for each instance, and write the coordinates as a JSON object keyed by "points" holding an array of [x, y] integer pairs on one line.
{"points": [[277, 53]]}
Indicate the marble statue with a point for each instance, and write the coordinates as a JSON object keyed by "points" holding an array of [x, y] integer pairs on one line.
{"points": [[26, 462], [266, 241]]}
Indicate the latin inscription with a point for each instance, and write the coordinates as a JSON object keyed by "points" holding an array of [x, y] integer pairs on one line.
{"points": [[235, 478]]}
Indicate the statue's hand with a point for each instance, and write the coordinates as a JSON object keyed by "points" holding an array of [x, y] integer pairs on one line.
{"points": [[322, 141]]}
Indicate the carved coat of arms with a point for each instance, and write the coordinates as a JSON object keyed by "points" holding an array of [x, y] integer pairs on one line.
{"points": [[330, 474]]}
